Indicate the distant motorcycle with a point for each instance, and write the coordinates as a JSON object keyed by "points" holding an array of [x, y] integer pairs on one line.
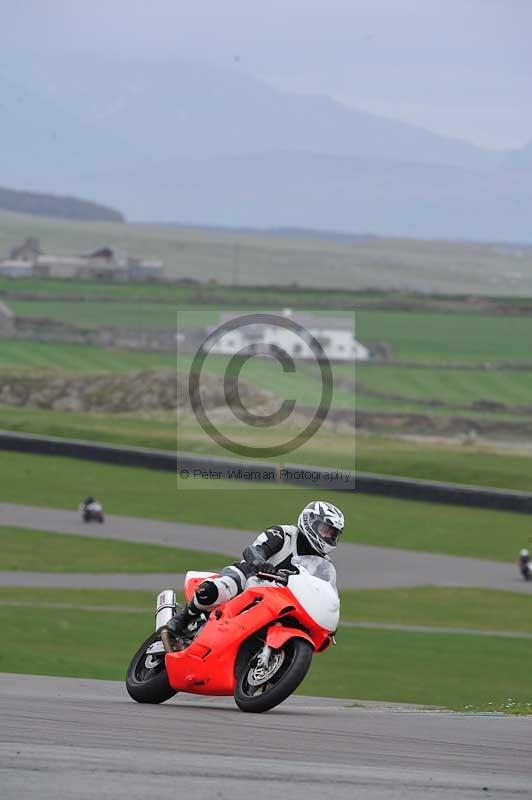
{"points": [[525, 568], [524, 565], [257, 646], [92, 513]]}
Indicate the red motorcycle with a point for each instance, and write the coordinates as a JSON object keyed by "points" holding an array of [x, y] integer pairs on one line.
{"points": [[257, 647]]}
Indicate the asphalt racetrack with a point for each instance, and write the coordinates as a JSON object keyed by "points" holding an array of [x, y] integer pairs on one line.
{"points": [[86, 740], [358, 566]]}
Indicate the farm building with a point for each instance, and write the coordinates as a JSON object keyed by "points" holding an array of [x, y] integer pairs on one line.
{"points": [[336, 335], [104, 263], [21, 259], [16, 268], [28, 251]]}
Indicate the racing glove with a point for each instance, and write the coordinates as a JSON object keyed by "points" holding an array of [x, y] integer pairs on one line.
{"points": [[265, 566], [255, 558]]}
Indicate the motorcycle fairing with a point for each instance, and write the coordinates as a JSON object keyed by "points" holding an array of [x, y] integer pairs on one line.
{"points": [[207, 666], [279, 634]]}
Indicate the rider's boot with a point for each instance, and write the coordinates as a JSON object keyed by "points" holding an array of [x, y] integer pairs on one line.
{"points": [[177, 624]]}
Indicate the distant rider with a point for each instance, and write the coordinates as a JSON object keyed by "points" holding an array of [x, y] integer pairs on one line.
{"points": [[90, 504], [524, 560], [318, 527]]}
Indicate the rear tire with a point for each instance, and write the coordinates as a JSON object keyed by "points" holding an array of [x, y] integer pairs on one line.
{"points": [[148, 684], [295, 663]]}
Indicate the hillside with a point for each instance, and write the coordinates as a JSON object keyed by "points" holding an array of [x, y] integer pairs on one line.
{"points": [[50, 205], [255, 258]]}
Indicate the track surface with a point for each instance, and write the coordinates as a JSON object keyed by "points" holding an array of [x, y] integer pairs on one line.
{"points": [[85, 740], [359, 566]]}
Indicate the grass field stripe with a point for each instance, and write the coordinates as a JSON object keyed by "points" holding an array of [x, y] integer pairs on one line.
{"points": [[385, 626]]}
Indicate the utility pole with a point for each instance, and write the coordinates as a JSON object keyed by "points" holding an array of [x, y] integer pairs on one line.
{"points": [[236, 256]]}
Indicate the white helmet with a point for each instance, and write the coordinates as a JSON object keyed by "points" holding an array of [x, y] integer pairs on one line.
{"points": [[524, 552], [321, 523]]}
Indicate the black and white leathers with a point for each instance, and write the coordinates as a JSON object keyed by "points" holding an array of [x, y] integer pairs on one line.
{"points": [[277, 545]]}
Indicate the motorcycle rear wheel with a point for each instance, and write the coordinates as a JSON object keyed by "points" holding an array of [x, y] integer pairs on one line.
{"points": [[148, 684], [294, 660]]}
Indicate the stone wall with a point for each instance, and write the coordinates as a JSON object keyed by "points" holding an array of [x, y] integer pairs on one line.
{"points": [[146, 339]]}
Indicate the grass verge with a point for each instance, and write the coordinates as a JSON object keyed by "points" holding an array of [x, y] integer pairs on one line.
{"points": [[485, 609], [429, 668], [58, 482], [481, 465], [438, 607], [41, 551]]}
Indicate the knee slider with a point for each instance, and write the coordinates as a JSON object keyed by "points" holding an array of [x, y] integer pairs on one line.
{"points": [[207, 593]]}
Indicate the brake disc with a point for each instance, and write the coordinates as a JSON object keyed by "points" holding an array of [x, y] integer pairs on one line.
{"points": [[151, 662], [258, 675]]}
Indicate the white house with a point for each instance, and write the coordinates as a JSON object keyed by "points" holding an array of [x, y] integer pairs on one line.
{"points": [[336, 335]]}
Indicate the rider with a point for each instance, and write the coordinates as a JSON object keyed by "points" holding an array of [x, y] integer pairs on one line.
{"points": [[90, 504], [524, 558], [316, 533]]}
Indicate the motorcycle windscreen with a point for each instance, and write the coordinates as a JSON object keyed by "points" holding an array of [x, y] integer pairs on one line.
{"points": [[318, 567], [317, 593]]}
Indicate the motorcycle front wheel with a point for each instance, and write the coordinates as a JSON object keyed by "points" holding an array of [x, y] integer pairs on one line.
{"points": [[146, 679], [260, 688]]}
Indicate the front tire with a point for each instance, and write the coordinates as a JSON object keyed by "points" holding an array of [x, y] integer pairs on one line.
{"points": [[147, 683], [289, 666]]}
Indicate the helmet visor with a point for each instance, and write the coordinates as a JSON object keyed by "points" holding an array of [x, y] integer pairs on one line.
{"points": [[327, 532]]}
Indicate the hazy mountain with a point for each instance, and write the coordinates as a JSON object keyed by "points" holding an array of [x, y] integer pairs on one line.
{"points": [[519, 160], [56, 206], [176, 141], [177, 109], [305, 190], [47, 146]]}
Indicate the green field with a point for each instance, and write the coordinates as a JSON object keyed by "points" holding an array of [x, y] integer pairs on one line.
{"points": [[77, 598], [412, 336], [42, 551], [461, 387], [62, 482], [122, 315], [408, 390], [439, 337], [93, 314], [77, 358], [456, 607]]}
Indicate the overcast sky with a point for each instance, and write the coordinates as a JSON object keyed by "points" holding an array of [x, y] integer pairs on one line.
{"points": [[459, 67]]}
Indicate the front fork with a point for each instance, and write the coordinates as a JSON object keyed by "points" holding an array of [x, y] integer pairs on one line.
{"points": [[263, 658]]}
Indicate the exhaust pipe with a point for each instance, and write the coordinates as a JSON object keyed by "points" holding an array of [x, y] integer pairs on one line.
{"points": [[166, 606]]}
